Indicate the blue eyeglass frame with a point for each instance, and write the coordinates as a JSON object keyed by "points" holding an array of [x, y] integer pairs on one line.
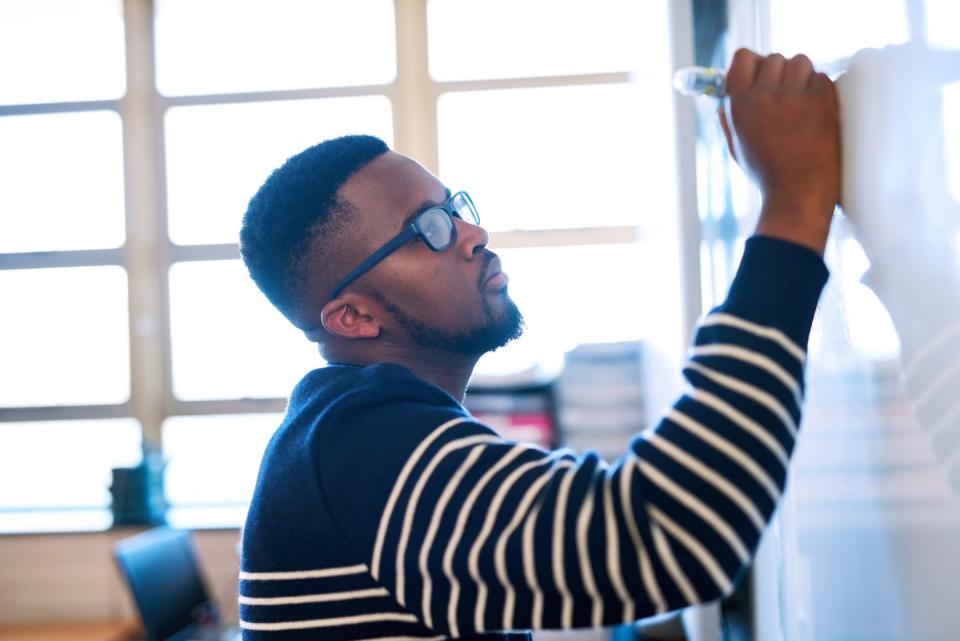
{"points": [[411, 231]]}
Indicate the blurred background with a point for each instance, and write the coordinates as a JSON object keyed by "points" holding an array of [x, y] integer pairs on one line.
{"points": [[142, 372]]}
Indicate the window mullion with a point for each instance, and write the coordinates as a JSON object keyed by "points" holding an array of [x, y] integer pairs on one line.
{"points": [[146, 246], [61, 258], [517, 239], [534, 82], [685, 134], [414, 95], [276, 95], [57, 107]]}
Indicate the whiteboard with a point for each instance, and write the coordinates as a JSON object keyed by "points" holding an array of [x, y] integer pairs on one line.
{"points": [[867, 543]]}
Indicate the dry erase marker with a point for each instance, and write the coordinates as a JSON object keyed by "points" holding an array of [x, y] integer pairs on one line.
{"points": [[707, 81], [700, 81]]}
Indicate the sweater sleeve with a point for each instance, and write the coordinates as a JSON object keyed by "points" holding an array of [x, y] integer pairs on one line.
{"points": [[472, 533]]}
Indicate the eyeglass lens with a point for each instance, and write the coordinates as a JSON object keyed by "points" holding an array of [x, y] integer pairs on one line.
{"points": [[465, 208], [436, 227]]}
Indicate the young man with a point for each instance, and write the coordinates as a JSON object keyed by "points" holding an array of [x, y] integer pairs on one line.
{"points": [[383, 510]]}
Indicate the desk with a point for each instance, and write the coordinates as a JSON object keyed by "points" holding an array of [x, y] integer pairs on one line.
{"points": [[115, 630]]}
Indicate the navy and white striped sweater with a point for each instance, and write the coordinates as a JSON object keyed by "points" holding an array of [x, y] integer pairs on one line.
{"points": [[383, 510]]}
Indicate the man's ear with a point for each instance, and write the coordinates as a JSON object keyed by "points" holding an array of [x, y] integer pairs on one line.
{"points": [[346, 320]]}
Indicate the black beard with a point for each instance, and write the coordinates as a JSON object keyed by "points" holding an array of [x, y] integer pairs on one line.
{"points": [[494, 334]]}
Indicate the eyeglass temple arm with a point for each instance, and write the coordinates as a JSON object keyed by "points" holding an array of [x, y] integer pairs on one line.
{"points": [[391, 246]]}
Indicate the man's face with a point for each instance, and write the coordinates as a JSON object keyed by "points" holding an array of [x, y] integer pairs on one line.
{"points": [[451, 300]]}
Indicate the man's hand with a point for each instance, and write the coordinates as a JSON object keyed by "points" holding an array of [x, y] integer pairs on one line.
{"points": [[782, 127]]}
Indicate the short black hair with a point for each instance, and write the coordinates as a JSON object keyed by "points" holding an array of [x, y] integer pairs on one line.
{"points": [[291, 213]]}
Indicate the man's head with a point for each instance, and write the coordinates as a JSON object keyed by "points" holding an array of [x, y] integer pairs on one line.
{"points": [[323, 212]]}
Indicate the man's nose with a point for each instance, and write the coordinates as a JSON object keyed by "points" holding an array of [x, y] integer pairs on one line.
{"points": [[471, 238]]}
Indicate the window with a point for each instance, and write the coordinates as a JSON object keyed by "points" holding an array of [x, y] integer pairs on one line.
{"points": [[218, 155], [33, 495], [230, 47], [127, 167], [218, 349], [80, 152], [66, 51], [66, 331], [65, 345], [221, 450]]}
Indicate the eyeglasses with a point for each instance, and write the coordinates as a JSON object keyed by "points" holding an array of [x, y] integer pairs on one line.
{"points": [[434, 225]]}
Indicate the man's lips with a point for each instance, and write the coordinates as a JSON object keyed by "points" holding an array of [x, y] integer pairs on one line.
{"points": [[494, 277], [498, 281]]}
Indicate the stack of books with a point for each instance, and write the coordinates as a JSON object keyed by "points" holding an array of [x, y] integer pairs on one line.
{"points": [[601, 397]]}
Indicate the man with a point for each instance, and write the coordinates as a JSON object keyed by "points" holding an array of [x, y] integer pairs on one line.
{"points": [[383, 510]]}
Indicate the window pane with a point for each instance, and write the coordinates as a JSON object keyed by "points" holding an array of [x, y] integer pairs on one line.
{"points": [[223, 46], [943, 16], [64, 337], [37, 458], [227, 340], [472, 39], [61, 50], [852, 25], [612, 280], [62, 182], [597, 294], [201, 469], [218, 155], [524, 174]]}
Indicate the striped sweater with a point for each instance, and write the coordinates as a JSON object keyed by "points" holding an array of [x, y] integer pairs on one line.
{"points": [[383, 510]]}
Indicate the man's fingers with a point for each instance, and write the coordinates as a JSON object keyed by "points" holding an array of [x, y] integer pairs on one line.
{"points": [[770, 70], [820, 82], [743, 71], [797, 72], [722, 117]]}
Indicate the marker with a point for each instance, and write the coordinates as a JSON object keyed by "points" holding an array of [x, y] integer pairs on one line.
{"points": [[700, 81], [708, 81]]}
